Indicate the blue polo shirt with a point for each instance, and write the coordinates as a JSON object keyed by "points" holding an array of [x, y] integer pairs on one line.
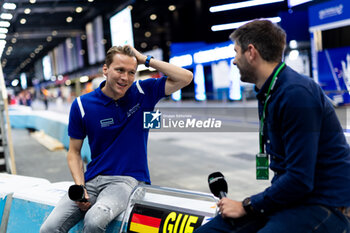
{"points": [[308, 150], [117, 140]]}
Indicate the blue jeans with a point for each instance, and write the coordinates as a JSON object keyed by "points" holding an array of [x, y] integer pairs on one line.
{"points": [[109, 196], [300, 219]]}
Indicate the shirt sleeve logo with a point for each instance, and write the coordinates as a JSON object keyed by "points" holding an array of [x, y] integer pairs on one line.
{"points": [[152, 120]]}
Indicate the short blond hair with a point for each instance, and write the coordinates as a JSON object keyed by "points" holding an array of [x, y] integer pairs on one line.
{"points": [[126, 50]]}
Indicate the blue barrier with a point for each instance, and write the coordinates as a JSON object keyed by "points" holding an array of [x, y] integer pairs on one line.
{"points": [[52, 123]]}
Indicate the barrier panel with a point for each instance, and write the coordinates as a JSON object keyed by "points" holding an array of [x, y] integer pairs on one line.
{"points": [[154, 209]]}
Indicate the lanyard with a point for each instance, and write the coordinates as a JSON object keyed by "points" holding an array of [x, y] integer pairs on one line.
{"points": [[262, 120]]}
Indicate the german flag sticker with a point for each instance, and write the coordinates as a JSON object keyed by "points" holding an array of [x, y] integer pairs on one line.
{"points": [[143, 223], [145, 219]]}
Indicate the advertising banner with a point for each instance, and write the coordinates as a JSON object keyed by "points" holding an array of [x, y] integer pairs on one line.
{"points": [[334, 73], [329, 12]]}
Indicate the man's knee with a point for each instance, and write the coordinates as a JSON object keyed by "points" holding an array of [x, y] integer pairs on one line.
{"points": [[97, 218]]}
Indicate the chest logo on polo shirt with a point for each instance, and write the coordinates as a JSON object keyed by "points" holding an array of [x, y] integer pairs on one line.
{"points": [[106, 122]]}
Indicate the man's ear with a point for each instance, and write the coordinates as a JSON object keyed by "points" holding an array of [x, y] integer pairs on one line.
{"points": [[252, 52], [104, 69]]}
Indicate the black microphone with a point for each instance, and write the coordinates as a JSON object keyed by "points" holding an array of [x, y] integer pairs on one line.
{"points": [[218, 187], [76, 193], [217, 184]]}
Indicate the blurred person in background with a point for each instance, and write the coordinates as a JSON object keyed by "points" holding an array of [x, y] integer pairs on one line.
{"points": [[112, 118], [302, 139]]}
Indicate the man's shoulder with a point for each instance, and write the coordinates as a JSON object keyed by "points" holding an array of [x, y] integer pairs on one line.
{"points": [[294, 80]]}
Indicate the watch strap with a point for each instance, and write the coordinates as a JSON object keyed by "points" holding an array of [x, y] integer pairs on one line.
{"points": [[247, 205], [148, 59]]}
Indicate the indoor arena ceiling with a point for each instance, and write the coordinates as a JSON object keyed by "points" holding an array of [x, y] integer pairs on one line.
{"points": [[37, 26]]}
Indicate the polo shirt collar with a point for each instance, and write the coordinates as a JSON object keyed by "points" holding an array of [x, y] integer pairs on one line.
{"points": [[261, 93], [106, 99]]}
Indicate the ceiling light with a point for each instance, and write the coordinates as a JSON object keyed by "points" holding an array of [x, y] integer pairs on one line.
{"points": [[130, 7], [69, 19], [143, 45], [13, 40], [293, 44], [7, 16], [4, 30], [84, 79], [68, 82], [136, 25], [293, 55], [148, 34], [82, 52], [27, 11], [10, 48], [54, 33], [83, 37], [9, 6], [23, 21], [78, 9], [15, 82], [32, 55], [228, 26], [153, 16], [32, 1], [172, 8], [37, 51], [240, 5], [49, 38], [90, 0], [2, 36], [4, 24], [40, 47]]}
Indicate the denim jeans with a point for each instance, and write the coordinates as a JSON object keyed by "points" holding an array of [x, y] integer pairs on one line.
{"points": [[108, 195], [300, 219]]}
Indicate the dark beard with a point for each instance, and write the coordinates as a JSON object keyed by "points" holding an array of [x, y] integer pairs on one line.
{"points": [[247, 76]]}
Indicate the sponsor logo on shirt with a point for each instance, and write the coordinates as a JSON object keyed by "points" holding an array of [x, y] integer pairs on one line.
{"points": [[133, 110], [106, 122]]}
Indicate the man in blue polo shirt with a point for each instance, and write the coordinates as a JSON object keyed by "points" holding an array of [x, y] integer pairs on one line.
{"points": [[302, 138], [112, 119]]}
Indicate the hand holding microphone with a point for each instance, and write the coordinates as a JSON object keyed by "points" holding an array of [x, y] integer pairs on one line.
{"points": [[228, 208], [78, 194]]}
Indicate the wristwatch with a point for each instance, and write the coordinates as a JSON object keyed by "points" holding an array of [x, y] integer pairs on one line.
{"points": [[148, 59], [247, 205]]}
